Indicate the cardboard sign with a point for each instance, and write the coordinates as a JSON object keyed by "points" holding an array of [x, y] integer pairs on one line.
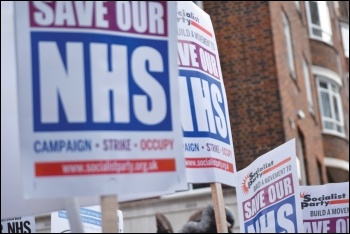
{"points": [[205, 120], [268, 193], [24, 224], [325, 208], [13, 203], [98, 98]]}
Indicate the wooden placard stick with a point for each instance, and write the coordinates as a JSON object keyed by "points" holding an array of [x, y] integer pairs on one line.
{"points": [[109, 207], [219, 207]]}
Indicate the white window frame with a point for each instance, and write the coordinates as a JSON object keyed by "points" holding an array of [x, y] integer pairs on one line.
{"points": [[289, 44], [325, 22], [330, 78], [336, 163], [308, 90], [344, 28]]}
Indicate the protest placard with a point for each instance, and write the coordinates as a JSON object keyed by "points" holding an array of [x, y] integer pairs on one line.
{"points": [[325, 208], [268, 193], [205, 120], [98, 98], [13, 203], [25, 224]]}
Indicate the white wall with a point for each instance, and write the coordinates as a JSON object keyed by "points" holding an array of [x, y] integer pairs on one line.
{"points": [[139, 216]]}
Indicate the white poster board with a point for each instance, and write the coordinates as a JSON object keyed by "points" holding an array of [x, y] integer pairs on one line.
{"points": [[90, 217], [98, 98], [25, 224], [325, 208], [205, 119], [13, 203], [268, 193]]}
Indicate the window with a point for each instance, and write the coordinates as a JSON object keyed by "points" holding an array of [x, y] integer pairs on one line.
{"points": [[288, 39], [330, 105], [310, 101], [345, 38], [319, 20]]}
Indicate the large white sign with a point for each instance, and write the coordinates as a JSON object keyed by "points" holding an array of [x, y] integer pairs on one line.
{"points": [[268, 193], [325, 208], [98, 98], [25, 224], [205, 119], [91, 218], [13, 203]]}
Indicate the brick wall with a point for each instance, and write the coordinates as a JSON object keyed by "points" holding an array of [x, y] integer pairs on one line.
{"points": [[244, 37], [343, 62], [263, 98], [293, 91], [336, 147], [324, 55]]}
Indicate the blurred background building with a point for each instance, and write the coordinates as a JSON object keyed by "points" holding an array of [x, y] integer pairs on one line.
{"points": [[285, 66], [286, 72]]}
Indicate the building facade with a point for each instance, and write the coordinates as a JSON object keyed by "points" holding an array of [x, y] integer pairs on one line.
{"points": [[286, 72], [285, 66]]}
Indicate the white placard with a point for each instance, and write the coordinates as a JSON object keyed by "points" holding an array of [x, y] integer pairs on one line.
{"points": [[13, 203], [325, 208], [98, 98], [25, 224], [205, 119], [268, 193]]}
